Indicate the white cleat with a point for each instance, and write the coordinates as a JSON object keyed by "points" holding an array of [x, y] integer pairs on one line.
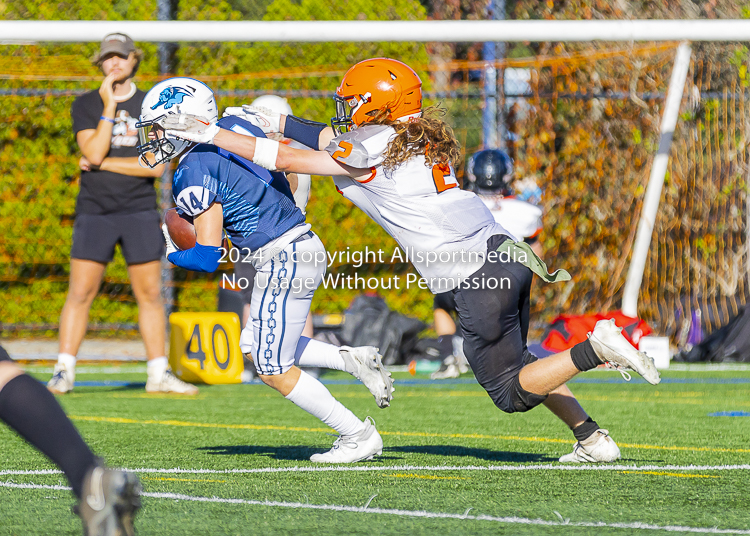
{"points": [[448, 370], [599, 448], [349, 449], [616, 352], [366, 364], [453, 366], [169, 383], [62, 380]]}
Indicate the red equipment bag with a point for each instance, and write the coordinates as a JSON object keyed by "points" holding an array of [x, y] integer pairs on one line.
{"points": [[566, 331]]}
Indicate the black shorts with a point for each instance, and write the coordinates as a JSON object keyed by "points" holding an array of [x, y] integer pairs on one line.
{"points": [[445, 301], [4, 355], [139, 235], [495, 324]]}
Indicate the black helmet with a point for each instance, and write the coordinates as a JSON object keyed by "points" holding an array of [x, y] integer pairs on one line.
{"points": [[490, 171]]}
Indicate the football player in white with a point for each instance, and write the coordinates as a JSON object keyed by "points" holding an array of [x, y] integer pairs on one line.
{"points": [[396, 164]]}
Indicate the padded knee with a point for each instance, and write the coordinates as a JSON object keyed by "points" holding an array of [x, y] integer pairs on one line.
{"points": [[523, 400], [4, 355]]}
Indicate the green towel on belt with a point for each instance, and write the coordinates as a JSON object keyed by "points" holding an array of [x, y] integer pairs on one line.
{"points": [[533, 262]]}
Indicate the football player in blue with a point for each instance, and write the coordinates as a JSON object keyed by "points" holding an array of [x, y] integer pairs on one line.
{"points": [[222, 191]]}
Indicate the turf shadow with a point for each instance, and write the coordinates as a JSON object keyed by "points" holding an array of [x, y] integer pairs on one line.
{"points": [[467, 452], [288, 452], [108, 387]]}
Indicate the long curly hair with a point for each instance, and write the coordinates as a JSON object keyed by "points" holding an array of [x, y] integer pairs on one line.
{"points": [[428, 135]]}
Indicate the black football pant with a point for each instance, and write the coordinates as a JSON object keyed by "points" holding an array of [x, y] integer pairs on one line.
{"points": [[495, 323]]}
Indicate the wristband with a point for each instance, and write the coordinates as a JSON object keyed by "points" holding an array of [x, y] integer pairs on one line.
{"points": [[199, 258], [107, 119], [266, 152], [304, 131]]}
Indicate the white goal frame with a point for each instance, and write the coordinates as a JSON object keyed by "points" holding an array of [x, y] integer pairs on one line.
{"points": [[21, 31]]}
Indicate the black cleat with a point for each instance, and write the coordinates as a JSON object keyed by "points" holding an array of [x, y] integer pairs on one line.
{"points": [[109, 501]]}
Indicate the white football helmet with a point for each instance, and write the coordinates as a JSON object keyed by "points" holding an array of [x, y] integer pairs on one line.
{"points": [[171, 96], [274, 103]]}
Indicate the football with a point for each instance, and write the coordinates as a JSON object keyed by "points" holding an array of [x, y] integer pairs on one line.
{"points": [[180, 229]]}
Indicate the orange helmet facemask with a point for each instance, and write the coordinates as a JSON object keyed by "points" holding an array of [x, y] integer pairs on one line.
{"points": [[374, 85]]}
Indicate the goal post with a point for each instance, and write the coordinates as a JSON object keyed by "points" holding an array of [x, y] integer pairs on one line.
{"points": [[379, 31], [656, 181]]}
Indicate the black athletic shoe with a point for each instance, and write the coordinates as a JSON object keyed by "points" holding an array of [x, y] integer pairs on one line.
{"points": [[109, 502]]}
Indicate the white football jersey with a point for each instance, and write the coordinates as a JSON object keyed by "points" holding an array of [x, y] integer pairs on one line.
{"points": [[442, 228], [521, 219]]}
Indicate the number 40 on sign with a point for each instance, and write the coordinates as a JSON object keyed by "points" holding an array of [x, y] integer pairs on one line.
{"points": [[205, 347]]}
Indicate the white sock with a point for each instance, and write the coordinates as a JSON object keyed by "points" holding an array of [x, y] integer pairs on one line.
{"points": [[312, 396], [312, 353], [68, 361], [157, 366]]}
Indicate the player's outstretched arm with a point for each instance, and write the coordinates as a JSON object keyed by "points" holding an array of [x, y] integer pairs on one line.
{"points": [[279, 157], [310, 133], [266, 153]]}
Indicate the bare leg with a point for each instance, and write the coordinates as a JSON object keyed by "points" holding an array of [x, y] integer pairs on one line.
{"points": [[85, 279], [444, 324], [283, 383], [545, 375], [564, 405], [146, 281], [8, 371]]}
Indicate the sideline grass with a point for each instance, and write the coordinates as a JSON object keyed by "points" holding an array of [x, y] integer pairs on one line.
{"points": [[453, 424]]}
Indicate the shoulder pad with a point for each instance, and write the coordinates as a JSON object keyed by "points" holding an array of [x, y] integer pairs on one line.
{"points": [[361, 148], [188, 190], [194, 200], [240, 126]]}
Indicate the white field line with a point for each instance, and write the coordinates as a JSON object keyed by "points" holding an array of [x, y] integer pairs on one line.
{"points": [[444, 515], [33, 486], [366, 468], [413, 513]]}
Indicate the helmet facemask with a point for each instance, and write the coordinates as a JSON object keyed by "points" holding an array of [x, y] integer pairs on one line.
{"points": [[346, 108], [154, 142]]}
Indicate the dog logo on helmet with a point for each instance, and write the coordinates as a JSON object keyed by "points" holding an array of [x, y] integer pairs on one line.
{"points": [[171, 96]]}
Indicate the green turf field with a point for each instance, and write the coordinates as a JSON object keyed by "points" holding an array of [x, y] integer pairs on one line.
{"points": [[234, 460]]}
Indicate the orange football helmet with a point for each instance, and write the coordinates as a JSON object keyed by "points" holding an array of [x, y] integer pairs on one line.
{"points": [[376, 84]]}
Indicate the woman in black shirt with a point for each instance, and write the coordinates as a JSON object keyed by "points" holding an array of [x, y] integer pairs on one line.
{"points": [[116, 205]]}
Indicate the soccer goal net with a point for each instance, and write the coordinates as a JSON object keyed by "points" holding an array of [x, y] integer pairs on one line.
{"points": [[580, 120]]}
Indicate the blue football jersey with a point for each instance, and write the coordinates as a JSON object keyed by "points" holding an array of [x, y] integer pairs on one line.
{"points": [[258, 205]]}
